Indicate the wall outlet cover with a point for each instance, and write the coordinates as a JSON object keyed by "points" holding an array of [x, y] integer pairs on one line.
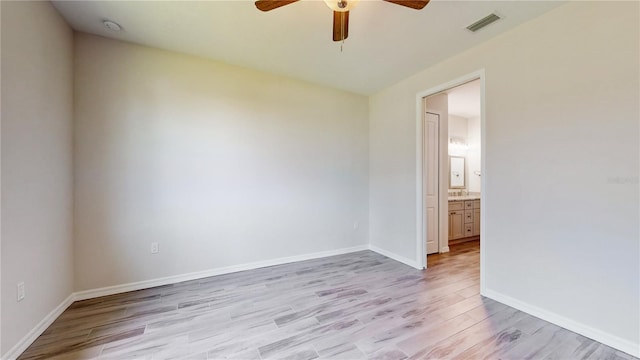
{"points": [[20, 291]]}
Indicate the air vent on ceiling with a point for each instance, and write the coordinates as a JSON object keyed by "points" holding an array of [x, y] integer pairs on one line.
{"points": [[483, 22]]}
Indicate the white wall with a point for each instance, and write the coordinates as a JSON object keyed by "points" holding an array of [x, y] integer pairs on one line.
{"points": [[474, 155], [221, 165], [458, 126], [37, 79], [469, 129], [561, 201]]}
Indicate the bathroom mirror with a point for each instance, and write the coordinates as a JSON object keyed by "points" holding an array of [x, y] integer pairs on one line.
{"points": [[456, 172]]}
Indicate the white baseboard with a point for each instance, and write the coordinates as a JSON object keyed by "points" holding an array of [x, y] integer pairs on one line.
{"points": [[396, 257], [116, 289], [595, 334], [445, 249], [28, 339], [32, 335], [613, 341]]}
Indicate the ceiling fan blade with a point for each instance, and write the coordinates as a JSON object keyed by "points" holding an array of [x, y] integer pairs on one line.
{"points": [[414, 4], [266, 5], [340, 25]]}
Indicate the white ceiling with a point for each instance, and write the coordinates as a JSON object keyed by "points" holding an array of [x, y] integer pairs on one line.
{"points": [[386, 42], [464, 100]]}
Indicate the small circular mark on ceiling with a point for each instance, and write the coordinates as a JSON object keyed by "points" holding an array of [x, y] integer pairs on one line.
{"points": [[112, 25]]}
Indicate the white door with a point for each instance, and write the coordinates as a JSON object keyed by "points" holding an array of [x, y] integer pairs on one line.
{"points": [[431, 163]]}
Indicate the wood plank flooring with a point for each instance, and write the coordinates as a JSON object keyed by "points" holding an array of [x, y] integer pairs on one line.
{"points": [[354, 306]]}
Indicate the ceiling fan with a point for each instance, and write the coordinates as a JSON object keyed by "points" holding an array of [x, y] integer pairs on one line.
{"points": [[340, 11]]}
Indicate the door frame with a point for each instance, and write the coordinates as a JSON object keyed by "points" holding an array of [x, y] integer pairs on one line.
{"points": [[421, 258]]}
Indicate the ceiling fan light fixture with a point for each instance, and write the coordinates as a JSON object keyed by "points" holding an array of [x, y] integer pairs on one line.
{"points": [[341, 5]]}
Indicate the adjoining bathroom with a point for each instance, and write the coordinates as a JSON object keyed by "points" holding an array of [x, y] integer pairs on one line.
{"points": [[452, 166], [464, 162]]}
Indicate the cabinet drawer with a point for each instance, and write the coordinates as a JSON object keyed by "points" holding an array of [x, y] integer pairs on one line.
{"points": [[456, 205], [468, 230], [468, 205], [476, 204], [468, 216]]}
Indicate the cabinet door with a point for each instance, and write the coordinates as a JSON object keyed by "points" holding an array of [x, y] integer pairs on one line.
{"points": [[476, 222], [456, 224]]}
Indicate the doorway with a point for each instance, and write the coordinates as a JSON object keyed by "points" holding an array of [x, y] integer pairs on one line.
{"points": [[447, 137]]}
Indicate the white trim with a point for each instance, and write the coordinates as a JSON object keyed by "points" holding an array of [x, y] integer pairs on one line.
{"points": [[395, 257], [28, 339], [420, 256], [32, 335], [116, 289], [595, 334], [615, 342], [444, 250], [421, 253], [483, 182]]}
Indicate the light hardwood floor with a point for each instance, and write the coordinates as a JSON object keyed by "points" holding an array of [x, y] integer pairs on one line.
{"points": [[360, 305]]}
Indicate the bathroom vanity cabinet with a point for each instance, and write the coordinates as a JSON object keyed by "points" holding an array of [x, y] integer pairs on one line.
{"points": [[464, 220]]}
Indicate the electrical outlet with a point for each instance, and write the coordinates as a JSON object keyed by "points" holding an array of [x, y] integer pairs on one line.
{"points": [[356, 225], [155, 248], [20, 291]]}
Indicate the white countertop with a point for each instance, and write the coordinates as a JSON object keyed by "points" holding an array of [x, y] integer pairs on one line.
{"points": [[465, 197]]}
